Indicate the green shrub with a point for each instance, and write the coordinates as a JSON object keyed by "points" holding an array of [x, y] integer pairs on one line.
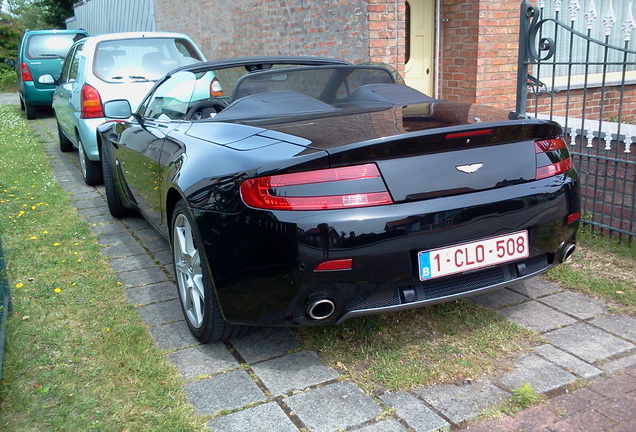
{"points": [[8, 80]]}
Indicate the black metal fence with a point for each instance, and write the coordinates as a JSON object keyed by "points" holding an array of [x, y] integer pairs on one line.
{"points": [[577, 66]]}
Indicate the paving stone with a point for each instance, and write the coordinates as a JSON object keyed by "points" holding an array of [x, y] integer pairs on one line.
{"points": [[462, 402], [333, 407], [95, 201], [152, 293], [536, 316], [123, 250], [228, 391], [207, 359], [293, 372], [116, 239], [583, 421], [98, 219], [158, 245], [536, 287], [108, 228], [268, 417], [574, 304], [497, 299], [576, 401], [623, 326], [567, 361], [619, 363], [133, 262], [147, 235], [615, 386], [620, 410], [587, 342], [266, 343], [542, 375], [390, 425], [142, 277], [93, 211], [173, 336], [165, 259], [414, 412], [137, 223], [161, 313]]}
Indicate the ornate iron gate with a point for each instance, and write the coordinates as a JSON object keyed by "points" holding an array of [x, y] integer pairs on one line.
{"points": [[580, 70]]}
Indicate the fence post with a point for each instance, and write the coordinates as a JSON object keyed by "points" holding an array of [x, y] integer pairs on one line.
{"points": [[525, 14]]}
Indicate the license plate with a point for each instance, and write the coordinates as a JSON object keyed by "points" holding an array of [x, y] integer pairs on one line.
{"points": [[473, 255]]}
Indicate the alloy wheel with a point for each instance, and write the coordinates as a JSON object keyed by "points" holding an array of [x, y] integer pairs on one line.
{"points": [[188, 271]]}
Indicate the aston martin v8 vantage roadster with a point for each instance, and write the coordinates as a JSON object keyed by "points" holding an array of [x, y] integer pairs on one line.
{"points": [[304, 191]]}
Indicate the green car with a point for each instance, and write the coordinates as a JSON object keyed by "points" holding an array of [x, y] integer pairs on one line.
{"points": [[41, 52]]}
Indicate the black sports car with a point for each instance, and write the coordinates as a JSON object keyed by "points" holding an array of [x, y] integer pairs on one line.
{"points": [[302, 191]]}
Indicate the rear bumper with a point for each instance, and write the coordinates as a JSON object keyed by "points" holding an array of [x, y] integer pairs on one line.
{"points": [[37, 97], [263, 262], [87, 129]]}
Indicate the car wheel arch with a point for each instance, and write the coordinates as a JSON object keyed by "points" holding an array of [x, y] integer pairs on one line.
{"points": [[172, 198]]}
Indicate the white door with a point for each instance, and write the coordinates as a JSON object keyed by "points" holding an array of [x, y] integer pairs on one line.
{"points": [[420, 45]]}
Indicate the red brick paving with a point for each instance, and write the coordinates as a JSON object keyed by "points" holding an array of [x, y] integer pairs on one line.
{"points": [[606, 404]]}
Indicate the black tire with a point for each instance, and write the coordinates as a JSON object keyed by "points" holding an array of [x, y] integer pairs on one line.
{"points": [[195, 284], [116, 206], [91, 170], [65, 144], [31, 111]]}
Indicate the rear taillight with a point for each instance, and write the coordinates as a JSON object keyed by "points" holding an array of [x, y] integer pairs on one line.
{"points": [[552, 158], [215, 88], [328, 189], [91, 103], [25, 72]]}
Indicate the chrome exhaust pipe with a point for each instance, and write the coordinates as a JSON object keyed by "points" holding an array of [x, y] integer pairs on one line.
{"points": [[320, 309], [567, 251]]}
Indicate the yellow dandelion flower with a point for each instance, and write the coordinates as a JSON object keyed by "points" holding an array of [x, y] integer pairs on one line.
{"points": [[21, 213], [45, 232], [79, 260], [119, 284], [34, 237], [19, 285], [24, 205], [57, 290], [56, 244], [33, 207], [76, 244]]}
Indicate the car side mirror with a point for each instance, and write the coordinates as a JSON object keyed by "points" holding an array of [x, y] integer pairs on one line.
{"points": [[117, 109], [47, 79]]}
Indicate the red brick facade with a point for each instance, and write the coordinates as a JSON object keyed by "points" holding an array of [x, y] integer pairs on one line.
{"points": [[479, 51], [478, 39], [574, 103]]}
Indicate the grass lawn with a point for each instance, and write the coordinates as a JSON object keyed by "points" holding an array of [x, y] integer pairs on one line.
{"points": [[77, 357]]}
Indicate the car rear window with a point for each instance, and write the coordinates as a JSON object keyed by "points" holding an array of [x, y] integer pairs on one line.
{"points": [[44, 46], [146, 59]]}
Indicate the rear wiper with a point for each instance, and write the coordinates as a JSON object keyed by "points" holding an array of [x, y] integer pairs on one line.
{"points": [[138, 78]]}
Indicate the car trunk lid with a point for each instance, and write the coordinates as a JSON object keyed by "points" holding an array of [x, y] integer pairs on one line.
{"points": [[431, 150]]}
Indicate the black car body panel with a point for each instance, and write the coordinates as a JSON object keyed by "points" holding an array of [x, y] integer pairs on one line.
{"points": [[454, 174]]}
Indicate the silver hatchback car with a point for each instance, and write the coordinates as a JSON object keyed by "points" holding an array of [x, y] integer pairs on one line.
{"points": [[112, 66]]}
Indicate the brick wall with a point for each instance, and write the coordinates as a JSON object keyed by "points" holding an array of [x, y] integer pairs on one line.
{"points": [[479, 51], [224, 28], [574, 102], [387, 32]]}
